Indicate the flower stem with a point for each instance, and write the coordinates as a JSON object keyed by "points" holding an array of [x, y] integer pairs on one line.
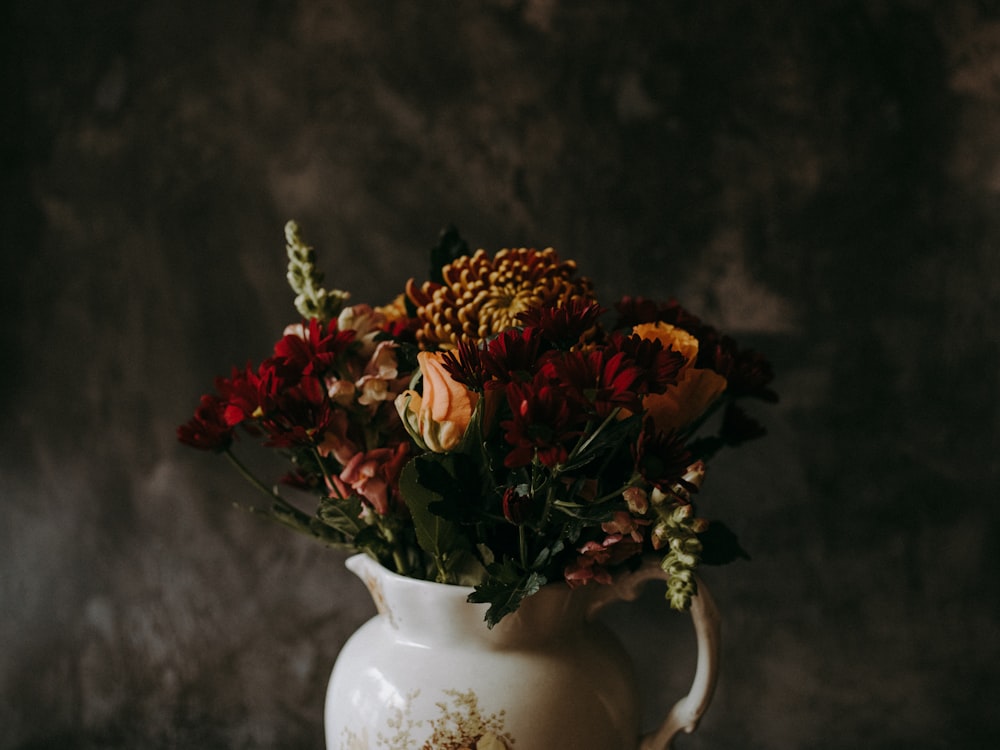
{"points": [[326, 474], [398, 558], [584, 443], [250, 477], [281, 510], [612, 495]]}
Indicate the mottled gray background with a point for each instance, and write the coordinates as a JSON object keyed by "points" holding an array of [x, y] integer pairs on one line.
{"points": [[822, 179]]}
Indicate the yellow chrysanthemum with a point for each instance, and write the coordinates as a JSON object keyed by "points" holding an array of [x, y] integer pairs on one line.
{"points": [[482, 296]]}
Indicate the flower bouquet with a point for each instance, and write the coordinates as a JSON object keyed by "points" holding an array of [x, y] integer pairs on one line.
{"points": [[493, 426]]}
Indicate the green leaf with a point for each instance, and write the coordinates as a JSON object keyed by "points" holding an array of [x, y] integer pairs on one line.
{"points": [[504, 590], [455, 482], [437, 536], [572, 530], [449, 247], [547, 554], [342, 515], [370, 540], [720, 545], [455, 478]]}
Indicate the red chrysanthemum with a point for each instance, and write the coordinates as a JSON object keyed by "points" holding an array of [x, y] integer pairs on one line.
{"points": [[512, 355], [660, 368], [277, 400], [248, 394], [297, 419], [315, 350], [599, 379], [633, 311], [747, 372], [661, 459], [465, 365], [564, 326], [541, 423], [207, 430]]}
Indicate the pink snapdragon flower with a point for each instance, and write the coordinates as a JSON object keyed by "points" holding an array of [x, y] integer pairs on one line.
{"points": [[624, 524], [374, 476], [596, 557]]}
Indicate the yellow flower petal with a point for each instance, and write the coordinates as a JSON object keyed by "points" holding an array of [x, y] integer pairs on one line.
{"points": [[696, 389], [670, 336], [683, 403]]}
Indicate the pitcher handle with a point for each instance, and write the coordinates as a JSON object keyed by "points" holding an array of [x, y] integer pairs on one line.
{"points": [[687, 712]]}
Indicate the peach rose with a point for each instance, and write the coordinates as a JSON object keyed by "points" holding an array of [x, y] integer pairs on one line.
{"points": [[438, 418], [696, 388]]}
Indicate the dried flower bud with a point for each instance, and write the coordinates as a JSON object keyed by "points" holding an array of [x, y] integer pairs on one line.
{"points": [[695, 475], [658, 496], [680, 513], [516, 507], [660, 535]]}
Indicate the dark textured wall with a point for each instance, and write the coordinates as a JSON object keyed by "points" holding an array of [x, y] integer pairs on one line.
{"points": [[821, 179]]}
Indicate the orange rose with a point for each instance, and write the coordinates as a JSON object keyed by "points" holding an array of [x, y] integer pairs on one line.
{"points": [[696, 388], [438, 418]]}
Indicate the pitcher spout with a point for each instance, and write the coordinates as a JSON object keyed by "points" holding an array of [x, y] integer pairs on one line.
{"points": [[371, 574], [362, 565]]}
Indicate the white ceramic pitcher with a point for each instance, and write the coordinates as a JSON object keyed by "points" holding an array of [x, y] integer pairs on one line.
{"points": [[427, 674]]}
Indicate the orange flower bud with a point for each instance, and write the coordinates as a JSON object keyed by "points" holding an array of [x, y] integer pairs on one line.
{"points": [[438, 418]]}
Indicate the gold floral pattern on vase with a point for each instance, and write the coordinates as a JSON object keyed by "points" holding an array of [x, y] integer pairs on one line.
{"points": [[461, 725]]}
